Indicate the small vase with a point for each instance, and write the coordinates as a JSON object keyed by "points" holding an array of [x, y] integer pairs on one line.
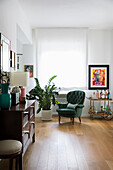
{"points": [[5, 97]]}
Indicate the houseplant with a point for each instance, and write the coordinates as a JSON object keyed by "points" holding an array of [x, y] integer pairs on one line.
{"points": [[45, 96]]}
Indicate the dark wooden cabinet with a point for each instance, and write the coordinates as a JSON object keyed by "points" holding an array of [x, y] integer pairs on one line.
{"points": [[18, 123]]}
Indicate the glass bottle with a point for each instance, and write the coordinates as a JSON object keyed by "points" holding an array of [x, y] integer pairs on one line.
{"points": [[101, 94], [94, 95], [97, 94], [108, 94]]}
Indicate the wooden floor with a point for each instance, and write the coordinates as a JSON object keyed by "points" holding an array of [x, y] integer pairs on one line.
{"points": [[85, 146]]}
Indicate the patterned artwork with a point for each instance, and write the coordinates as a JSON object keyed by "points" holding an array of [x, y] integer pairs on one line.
{"points": [[29, 68], [98, 77]]}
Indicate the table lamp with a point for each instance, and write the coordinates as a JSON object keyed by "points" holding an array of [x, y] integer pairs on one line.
{"points": [[20, 79]]}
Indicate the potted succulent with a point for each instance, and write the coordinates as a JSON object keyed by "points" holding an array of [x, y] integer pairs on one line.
{"points": [[45, 97]]}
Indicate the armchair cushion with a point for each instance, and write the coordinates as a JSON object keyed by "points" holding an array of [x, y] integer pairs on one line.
{"points": [[66, 112], [72, 106]]}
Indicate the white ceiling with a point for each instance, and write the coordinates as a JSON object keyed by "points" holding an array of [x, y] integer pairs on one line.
{"points": [[69, 13]]}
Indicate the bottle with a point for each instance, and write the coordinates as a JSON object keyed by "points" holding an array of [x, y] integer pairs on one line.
{"points": [[94, 95], [97, 94], [108, 94], [101, 94]]}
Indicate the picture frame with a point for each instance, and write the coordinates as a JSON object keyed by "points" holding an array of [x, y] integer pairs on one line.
{"points": [[98, 77], [5, 45], [19, 61], [30, 69], [12, 59]]}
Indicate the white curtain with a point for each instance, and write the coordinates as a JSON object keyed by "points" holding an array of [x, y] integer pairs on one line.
{"points": [[62, 52]]}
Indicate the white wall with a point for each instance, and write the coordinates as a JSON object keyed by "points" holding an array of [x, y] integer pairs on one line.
{"points": [[29, 58], [99, 51], [99, 46], [12, 14]]}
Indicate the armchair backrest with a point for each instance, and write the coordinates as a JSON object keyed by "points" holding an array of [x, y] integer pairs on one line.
{"points": [[76, 97]]}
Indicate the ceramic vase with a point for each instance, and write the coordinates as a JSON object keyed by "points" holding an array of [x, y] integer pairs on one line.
{"points": [[5, 97]]}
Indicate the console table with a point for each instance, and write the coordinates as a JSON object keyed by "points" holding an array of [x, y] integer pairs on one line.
{"points": [[18, 123]]}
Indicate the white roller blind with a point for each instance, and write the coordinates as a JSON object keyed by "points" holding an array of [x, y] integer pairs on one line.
{"points": [[62, 52]]}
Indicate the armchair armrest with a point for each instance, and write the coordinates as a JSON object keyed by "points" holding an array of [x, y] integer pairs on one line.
{"points": [[62, 105], [80, 106]]}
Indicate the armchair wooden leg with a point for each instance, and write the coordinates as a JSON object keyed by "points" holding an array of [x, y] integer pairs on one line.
{"points": [[73, 120], [59, 120], [80, 119]]}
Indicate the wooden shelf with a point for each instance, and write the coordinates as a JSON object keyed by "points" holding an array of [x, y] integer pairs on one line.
{"points": [[98, 99]]}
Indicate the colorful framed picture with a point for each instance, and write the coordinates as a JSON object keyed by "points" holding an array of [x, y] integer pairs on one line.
{"points": [[29, 68], [98, 77]]}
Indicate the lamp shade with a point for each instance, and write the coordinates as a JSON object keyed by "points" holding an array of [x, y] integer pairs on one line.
{"points": [[19, 78]]}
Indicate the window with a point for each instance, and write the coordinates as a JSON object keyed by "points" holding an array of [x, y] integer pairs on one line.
{"points": [[62, 52]]}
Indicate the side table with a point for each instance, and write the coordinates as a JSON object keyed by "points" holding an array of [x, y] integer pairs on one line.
{"points": [[105, 113]]}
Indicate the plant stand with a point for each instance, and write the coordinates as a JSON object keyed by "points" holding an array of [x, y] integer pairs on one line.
{"points": [[46, 114]]}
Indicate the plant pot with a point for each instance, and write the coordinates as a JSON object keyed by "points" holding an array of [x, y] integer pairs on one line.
{"points": [[46, 114], [54, 107]]}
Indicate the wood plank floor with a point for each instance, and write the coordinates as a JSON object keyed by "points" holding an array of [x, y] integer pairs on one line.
{"points": [[85, 146]]}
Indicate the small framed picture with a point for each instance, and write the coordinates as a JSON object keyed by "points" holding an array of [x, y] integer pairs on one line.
{"points": [[98, 77], [29, 68], [17, 66], [17, 59], [12, 59]]}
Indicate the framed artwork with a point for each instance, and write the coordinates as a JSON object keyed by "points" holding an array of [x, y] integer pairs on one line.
{"points": [[19, 61], [98, 77], [18, 66], [29, 68], [12, 59]]}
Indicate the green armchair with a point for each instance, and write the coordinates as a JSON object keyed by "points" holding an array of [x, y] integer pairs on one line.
{"points": [[73, 107]]}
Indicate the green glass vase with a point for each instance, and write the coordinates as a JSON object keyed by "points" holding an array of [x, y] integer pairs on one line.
{"points": [[5, 97]]}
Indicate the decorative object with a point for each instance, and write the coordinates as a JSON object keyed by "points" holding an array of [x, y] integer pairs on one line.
{"points": [[16, 90], [5, 77], [5, 97], [98, 77], [44, 96], [20, 79], [29, 68], [15, 98], [12, 59]]}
